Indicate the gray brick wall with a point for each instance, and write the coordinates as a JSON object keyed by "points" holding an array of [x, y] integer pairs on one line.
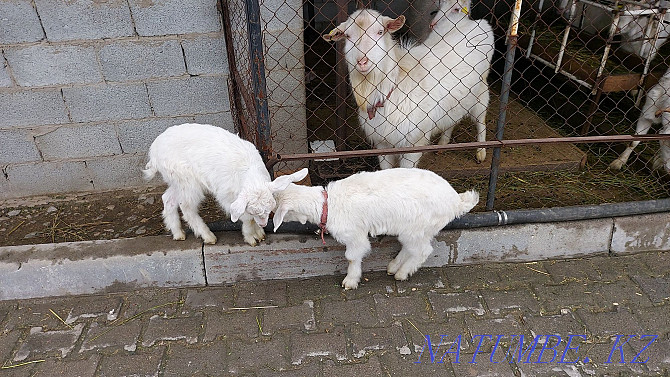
{"points": [[87, 85]]}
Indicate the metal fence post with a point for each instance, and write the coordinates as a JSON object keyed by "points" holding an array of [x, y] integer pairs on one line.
{"points": [[263, 137], [512, 41]]}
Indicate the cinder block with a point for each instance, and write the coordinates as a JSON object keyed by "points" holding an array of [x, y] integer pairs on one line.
{"points": [[281, 14], [193, 95], [223, 120], [289, 132], [137, 60], [78, 142], [284, 49], [633, 234], [43, 65], [5, 80], [17, 146], [286, 88], [107, 102], [19, 22], [65, 20], [163, 17], [205, 55], [18, 107], [117, 171], [137, 135], [41, 178]]}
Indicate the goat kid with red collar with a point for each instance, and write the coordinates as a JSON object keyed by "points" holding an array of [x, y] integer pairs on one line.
{"points": [[413, 204]]}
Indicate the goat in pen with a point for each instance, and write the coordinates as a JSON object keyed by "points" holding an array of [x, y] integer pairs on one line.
{"points": [[407, 95]]}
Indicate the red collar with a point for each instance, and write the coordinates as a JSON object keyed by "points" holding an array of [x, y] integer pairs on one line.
{"points": [[324, 215], [372, 111]]}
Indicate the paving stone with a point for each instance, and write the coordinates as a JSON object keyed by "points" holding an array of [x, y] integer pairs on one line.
{"points": [[39, 342], [390, 308], [75, 368], [657, 289], [562, 325], [292, 317], [331, 345], [369, 368], [42, 312], [360, 312], [195, 361], [577, 270], [8, 341], [260, 293], [398, 365], [598, 355], [521, 274], [508, 326], [258, 353], [484, 368], [106, 308], [472, 277], [505, 300], [315, 288], [371, 283], [654, 320], [365, 340], [548, 370], [302, 370], [145, 364], [161, 328], [443, 335], [623, 292], [424, 278], [152, 302], [242, 323], [656, 355], [604, 325], [658, 263], [449, 303], [619, 267], [122, 336], [594, 297], [221, 298]]}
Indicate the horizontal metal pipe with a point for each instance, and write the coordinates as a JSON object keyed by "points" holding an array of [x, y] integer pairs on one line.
{"points": [[464, 146], [501, 218]]}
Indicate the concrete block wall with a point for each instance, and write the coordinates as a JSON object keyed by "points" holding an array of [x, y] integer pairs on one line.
{"points": [[85, 86]]}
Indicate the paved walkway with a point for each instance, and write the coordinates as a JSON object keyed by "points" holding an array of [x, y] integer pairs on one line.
{"points": [[612, 306]]}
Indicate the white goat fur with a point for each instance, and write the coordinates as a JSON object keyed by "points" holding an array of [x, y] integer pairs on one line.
{"points": [[195, 159], [657, 102], [423, 90], [413, 204], [634, 28]]}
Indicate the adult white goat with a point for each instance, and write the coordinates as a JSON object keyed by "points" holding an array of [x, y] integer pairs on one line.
{"points": [[413, 204], [655, 110], [194, 159], [406, 96], [636, 33]]}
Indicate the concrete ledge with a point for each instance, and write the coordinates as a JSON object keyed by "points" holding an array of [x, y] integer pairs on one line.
{"points": [[98, 266], [126, 264]]}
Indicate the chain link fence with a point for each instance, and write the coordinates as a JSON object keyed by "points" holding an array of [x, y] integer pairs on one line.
{"points": [[533, 108]]}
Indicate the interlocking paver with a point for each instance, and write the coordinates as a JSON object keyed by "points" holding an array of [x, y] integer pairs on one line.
{"points": [[312, 327]]}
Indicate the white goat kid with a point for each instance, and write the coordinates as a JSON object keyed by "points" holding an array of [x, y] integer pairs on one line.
{"points": [[406, 96], [194, 159], [413, 204], [655, 110]]}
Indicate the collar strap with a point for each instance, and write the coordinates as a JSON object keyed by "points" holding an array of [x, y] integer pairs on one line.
{"points": [[372, 111], [324, 215]]}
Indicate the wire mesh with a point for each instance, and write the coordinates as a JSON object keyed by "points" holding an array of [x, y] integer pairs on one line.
{"points": [[430, 73]]}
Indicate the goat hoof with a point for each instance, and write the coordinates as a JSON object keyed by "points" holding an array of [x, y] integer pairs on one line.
{"points": [[210, 240], [251, 241], [349, 283], [179, 237], [481, 155]]}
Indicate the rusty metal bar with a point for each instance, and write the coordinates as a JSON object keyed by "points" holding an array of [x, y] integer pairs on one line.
{"points": [[512, 41], [464, 146], [341, 83], [263, 138]]}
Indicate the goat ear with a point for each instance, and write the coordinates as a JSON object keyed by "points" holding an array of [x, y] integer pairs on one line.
{"points": [[238, 207], [394, 24], [278, 218], [281, 183], [335, 34]]}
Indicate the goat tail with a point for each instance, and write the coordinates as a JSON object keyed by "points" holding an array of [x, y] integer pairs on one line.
{"points": [[469, 200], [149, 171]]}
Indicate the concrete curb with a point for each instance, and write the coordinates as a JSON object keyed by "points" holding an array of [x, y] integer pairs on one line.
{"points": [[126, 264]]}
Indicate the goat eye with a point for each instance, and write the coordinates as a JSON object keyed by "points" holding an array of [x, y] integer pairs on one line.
{"points": [[380, 32]]}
